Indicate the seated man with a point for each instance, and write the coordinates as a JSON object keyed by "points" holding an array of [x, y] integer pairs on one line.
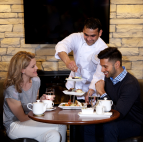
{"points": [[123, 89]]}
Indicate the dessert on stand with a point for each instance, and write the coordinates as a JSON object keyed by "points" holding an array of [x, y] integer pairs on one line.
{"points": [[74, 92]]}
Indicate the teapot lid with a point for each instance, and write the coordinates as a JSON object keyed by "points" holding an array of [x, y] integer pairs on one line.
{"points": [[105, 98], [38, 101]]}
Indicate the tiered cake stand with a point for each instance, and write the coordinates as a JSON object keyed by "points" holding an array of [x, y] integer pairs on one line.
{"points": [[73, 93]]}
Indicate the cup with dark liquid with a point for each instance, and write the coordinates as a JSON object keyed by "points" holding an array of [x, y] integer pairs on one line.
{"points": [[50, 93]]}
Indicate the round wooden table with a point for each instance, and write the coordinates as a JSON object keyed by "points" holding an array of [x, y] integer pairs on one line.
{"points": [[70, 117]]}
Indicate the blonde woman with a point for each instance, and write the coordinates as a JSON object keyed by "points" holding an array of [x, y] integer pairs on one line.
{"points": [[22, 87]]}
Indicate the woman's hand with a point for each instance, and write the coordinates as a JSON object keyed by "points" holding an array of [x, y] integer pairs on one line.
{"points": [[47, 97]]}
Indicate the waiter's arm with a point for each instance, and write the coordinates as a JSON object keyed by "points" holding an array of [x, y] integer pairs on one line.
{"points": [[69, 63]]}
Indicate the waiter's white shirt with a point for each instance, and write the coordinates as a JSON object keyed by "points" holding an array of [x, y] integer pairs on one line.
{"points": [[86, 60]]}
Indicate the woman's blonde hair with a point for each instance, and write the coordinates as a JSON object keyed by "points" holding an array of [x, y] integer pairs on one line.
{"points": [[18, 62]]}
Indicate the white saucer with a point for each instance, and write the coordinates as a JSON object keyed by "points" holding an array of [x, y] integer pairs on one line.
{"points": [[94, 114], [50, 109]]}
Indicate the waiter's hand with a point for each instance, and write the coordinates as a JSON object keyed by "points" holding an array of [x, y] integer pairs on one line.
{"points": [[100, 87], [72, 65], [89, 93], [68, 62]]}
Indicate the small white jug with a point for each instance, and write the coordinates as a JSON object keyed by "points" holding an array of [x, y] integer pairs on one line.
{"points": [[99, 109], [106, 104], [38, 107]]}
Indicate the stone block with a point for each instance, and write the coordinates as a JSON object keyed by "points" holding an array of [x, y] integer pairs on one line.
{"points": [[2, 51], [10, 42], [4, 66], [128, 34], [2, 35], [113, 8], [127, 21], [6, 58], [21, 15], [110, 35], [137, 65], [62, 66], [140, 51], [12, 21], [112, 28], [39, 65], [6, 28], [129, 11], [127, 65], [126, 1], [51, 59], [17, 8], [3, 75], [13, 51], [5, 8], [50, 66], [129, 51], [14, 34], [8, 15], [40, 58], [132, 42], [132, 58], [112, 15], [18, 28], [128, 28], [45, 51], [137, 73], [11, 1], [116, 42]]}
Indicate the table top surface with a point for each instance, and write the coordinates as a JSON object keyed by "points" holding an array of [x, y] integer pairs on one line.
{"points": [[71, 117]]}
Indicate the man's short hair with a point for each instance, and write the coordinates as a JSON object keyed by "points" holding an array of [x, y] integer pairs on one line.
{"points": [[112, 54], [93, 23]]}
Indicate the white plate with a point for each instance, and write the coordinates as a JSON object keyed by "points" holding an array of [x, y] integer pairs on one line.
{"points": [[50, 109], [75, 79], [94, 114], [69, 107], [73, 93]]}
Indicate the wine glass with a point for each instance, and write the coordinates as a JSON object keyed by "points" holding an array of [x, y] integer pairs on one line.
{"points": [[50, 93]]}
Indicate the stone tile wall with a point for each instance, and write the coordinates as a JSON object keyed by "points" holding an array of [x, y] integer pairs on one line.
{"points": [[126, 33]]}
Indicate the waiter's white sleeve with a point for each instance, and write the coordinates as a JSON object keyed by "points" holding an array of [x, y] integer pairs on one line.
{"points": [[98, 75]]}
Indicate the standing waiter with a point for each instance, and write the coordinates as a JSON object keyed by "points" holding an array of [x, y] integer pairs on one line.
{"points": [[85, 46]]}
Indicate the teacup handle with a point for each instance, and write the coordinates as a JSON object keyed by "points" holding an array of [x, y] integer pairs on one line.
{"points": [[52, 103], [111, 103], [28, 106]]}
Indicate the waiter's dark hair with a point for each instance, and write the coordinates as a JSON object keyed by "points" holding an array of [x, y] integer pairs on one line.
{"points": [[93, 23], [112, 54]]}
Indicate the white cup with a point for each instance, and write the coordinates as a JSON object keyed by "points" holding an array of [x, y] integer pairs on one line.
{"points": [[49, 103], [99, 109]]}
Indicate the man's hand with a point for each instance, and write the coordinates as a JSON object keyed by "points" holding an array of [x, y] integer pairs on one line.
{"points": [[89, 93], [100, 87], [72, 66]]}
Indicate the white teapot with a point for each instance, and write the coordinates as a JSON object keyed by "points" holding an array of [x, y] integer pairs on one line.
{"points": [[106, 104], [38, 107]]}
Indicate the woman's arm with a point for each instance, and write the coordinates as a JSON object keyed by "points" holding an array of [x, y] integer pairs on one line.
{"points": [[17, 109]]}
